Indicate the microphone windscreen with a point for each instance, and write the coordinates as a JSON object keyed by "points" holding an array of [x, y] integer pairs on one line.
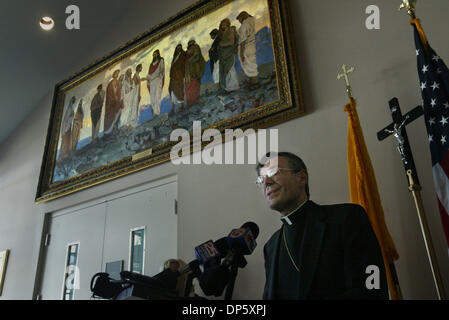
{"points": [[222, 246], [207, 252], [243, 240], [253, 227]]}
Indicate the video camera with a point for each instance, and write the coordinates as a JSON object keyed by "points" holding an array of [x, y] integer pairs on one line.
{"points": [[133, 285]]}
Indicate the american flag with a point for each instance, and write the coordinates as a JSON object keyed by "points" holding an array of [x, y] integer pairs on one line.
{"points": [[434, 83]]}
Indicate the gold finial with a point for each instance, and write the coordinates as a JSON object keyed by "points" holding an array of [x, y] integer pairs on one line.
{"points": [[344, 75], [411, 7]]}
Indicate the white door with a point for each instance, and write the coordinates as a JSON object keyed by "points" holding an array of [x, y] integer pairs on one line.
{"points": [[102, 232]]}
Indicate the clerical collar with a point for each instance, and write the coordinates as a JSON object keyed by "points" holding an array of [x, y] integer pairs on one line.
{"points": [[286, 218]]}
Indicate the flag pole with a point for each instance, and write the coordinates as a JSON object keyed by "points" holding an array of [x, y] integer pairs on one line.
{"points": [[389, 265], [415, 189], [410, 5]]}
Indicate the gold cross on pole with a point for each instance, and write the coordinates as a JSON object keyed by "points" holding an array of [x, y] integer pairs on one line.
{"points": [[410, 5], [344, 75]]}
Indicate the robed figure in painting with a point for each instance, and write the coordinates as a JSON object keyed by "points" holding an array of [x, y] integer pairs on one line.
{"points": [[195, 68], [130, 99], [247, 46], [214, 57], [96, 107], [136, 96], [155, 83], [126, 96], [113, 104], [177, 74], [77, 125], [66, 131], [227, 49]]}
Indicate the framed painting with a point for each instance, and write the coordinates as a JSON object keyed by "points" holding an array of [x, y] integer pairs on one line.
{"points": [[229, 64]]}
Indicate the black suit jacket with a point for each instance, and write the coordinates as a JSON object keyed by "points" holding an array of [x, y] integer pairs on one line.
{"points": [[338, 245]]}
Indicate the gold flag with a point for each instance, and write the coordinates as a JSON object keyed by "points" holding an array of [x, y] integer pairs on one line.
{"points": [[363, 190]]}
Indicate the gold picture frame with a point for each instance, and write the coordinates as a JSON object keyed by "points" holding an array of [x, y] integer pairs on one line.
{"points": [[94, 134], [3, 263]]}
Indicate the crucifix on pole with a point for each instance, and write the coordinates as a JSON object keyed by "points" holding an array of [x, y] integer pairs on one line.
{"points": [[397, 129], [344, 75]]}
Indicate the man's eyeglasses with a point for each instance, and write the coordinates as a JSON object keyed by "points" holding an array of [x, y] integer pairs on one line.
{"points": [[270, 173]]}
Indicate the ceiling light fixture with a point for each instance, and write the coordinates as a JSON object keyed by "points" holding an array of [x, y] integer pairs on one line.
{"points": [[47, 23]]}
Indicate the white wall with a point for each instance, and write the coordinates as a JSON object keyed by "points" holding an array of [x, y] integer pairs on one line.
{"points": [[214, 199]]}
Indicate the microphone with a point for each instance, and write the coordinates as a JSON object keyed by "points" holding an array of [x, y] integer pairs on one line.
{"points": [[210, 253], [243, 240], [207, 254], [240, 242]]}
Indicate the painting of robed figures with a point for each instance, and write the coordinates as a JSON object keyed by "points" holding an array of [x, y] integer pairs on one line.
{"points": [[220, 68]]}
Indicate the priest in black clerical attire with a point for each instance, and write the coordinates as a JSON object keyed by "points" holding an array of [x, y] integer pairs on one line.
{"points": [[320, 251]]}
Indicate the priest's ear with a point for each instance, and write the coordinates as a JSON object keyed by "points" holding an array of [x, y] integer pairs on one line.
{"points": [[302, 177]]}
